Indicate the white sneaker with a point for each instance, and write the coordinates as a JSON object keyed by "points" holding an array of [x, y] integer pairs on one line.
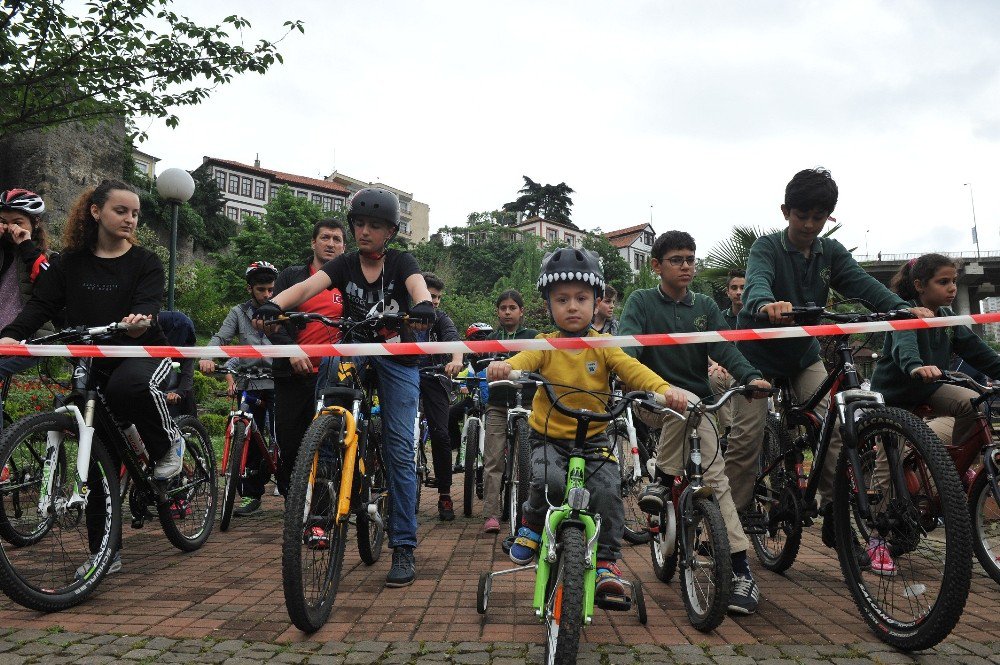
{"points": [[84, 569], [170, 464], [276, 492]]}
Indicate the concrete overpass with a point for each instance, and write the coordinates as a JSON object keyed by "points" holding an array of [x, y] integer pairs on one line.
{"points": [[978, 274]]}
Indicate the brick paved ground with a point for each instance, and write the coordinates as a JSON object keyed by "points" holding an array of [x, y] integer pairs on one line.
{"points": [[231, 590]]}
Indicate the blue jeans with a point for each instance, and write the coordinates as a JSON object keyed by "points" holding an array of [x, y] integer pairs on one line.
{"points": [[398, 393], [11, 365]]}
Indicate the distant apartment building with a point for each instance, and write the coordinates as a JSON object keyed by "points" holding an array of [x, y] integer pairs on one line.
{"points": [[991, 331], [247, 189], [414, 216], [634, 243], [145, 163], [548, 232]]}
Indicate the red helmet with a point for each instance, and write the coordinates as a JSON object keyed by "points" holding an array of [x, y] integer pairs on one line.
{"points": [[478, 331], [22, 200], [259, 269]]}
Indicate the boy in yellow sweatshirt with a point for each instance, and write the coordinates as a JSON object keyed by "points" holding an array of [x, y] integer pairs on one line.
{"points": [[572, 283]]}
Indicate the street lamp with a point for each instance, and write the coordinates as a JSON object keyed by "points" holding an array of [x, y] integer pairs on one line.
{"points": [[175, 186], [975, 231]]}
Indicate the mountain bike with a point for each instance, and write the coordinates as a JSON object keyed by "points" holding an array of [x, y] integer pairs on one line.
{"points": [[980, 481], [338, 473], [517, 461], [242, 434], [41, 571], [690, 529], [473, 437], [634, 445], [918, 512], [565, 574]]}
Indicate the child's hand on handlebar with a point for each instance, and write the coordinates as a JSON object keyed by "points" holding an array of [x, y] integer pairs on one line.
{"points": [[498, 370], [675, 399], [453, 368], [206, 366], [921, 312], [132, 319], [775, 310], [764, 386], [927, 373]]}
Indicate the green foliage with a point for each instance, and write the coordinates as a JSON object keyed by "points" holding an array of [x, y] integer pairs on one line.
{"points": [[283, 237], [616, 270], [116, 58], [209, 203], [199, 294], [206, 387], [551, 202], [28, 395], [215, 423]]}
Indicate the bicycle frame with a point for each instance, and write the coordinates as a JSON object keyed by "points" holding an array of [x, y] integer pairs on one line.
{"points": [[245, 414]]}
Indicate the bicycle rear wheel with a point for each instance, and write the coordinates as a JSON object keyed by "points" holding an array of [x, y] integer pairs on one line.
{"points": [[64, 561], [312, 551], [636, 522], [777, 499], [915, 598], [471, 464], [563, 612], [984, 509], [232, 456], [188, 514], [20, 482], [706, 569]]}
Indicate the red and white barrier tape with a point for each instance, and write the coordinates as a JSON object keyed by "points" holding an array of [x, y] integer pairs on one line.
{"points": [[487, 346]]}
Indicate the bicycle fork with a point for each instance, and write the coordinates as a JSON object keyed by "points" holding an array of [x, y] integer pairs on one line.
{"points": [[53, 443]]}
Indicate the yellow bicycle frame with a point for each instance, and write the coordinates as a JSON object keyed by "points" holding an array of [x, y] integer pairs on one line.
{"points": [[350, 458]]}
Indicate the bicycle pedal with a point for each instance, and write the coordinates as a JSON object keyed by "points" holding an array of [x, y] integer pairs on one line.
{"points": [[613, 603]]}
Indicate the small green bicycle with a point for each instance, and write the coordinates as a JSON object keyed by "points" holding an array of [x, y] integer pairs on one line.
{"points": [[566, 571]]}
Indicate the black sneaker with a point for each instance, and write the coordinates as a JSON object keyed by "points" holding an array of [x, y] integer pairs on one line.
{"points": [[403, 568], [446, 509], [654, 497], [745, 595], [753, 522], [249, 506], [829, 535]]}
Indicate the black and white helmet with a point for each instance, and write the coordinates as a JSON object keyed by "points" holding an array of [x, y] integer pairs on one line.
{"points": [[22, 200], [571, 265]]}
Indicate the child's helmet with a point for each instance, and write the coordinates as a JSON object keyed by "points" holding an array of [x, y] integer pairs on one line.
{"points": [[478, 331], [258, 269], [571, 265], [374, 202], [22, 200]]}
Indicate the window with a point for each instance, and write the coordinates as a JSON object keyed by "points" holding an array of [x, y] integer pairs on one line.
{"points": [[233, 213], [247, 187], [647, 238], [338, 204], [302, 195], [258, 189], [234, 184], [220, 180], [274, 190], [404, 226], [640, 260], [142, 166], [249, 213], [570, 240], [317, 199], [552, 235], [327, 203]]}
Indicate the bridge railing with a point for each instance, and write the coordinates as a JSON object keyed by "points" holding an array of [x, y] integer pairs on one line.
{"points": [[889, 258]]}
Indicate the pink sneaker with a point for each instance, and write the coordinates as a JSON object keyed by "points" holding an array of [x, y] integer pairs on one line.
{"points": [[882, 563], [492, 525]]}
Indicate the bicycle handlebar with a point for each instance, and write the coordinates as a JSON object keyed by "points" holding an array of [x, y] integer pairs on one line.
{"points": [[811, 314], [962, 379], [252, 373], [84, 334]]}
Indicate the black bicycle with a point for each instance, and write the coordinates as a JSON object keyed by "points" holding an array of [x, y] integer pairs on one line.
{"points": [[67, 551], [909, 505]]}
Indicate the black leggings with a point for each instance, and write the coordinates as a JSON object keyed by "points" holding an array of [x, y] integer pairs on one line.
{"points": [[436, 402]]}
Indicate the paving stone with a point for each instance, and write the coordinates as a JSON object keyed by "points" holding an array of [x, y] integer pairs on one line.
{"points": [[593, 659], [173, 657], [405, 647], [325, 659], [760, 651], [28, 635], [734, 660], [973, 660], [932, 659], [975, 648], [160, 643], [64, 638], [372, 646], [797, 650], [112, 649], [237, 660], [480, 658], [6, 646], [507, 661], [362, 658], [13, 659], [719, 651], [140, 654], [891, 657], [647, 649], [80, 649], [679, 650], [38, 649], [330, 648], [230, 646], [189, 646], [866, 647], [287, 657], [394, 659], [852, 661], [101, 639], [86, 660]]}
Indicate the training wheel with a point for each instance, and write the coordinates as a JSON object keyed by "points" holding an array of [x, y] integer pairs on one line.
{"points": [[483, 593]]}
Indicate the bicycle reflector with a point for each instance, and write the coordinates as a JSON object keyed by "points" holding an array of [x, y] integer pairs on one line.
{"points": [[579, 498]]}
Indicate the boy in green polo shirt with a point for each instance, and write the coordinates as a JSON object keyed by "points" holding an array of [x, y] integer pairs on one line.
{"points": [[672, 308], [794, 267]]}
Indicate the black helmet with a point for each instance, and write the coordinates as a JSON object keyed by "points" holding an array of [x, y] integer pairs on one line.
{"points": [[571, 265], [374, 202]]}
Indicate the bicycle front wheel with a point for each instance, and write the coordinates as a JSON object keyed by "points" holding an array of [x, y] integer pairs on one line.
{"points": [[471, 464], [20, 483], [520, 479], [984, 509], [706, 569], [636, 523], [908, 565], [71, 547], [778, 501], [188, 514], [564, 599], [372, 527], [232, 455], [312, 550]]}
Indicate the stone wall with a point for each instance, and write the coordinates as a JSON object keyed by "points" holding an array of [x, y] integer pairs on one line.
{"points": [[60, 162]]}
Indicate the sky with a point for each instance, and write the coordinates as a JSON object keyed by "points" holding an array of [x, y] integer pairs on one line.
{"points": [[694, 114]]}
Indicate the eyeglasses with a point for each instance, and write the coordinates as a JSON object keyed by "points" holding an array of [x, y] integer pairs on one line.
{"points": [[680, 260]]}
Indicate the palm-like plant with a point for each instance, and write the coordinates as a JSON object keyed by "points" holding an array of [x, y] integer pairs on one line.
{"points": [[733, 253]]}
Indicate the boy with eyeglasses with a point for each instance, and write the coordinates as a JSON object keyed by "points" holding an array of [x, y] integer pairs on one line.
{"points": [[671, 307]]}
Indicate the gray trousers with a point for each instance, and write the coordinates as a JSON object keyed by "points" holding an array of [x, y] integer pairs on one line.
{"points": [[549, 463]]}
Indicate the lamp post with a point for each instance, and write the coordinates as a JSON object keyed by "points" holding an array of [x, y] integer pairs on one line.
{"points": [[175, 186], [975, 231]]}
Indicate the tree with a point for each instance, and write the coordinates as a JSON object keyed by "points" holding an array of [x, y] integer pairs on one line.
{"points": [[282, 236], [551, 202], [616, 270], [209, 203], [122, 58]]}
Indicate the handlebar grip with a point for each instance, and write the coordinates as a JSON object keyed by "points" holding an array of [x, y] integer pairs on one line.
{"points": [[515, 375], [761, 317], [659, 399], [138, 325]]}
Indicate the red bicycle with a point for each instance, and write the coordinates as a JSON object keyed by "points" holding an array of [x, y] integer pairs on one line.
{"points": [[976, 460], [242, 432]]}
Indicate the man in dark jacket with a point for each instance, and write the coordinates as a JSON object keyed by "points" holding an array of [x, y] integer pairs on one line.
{"points": [[295, 378], [435, 396]]}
